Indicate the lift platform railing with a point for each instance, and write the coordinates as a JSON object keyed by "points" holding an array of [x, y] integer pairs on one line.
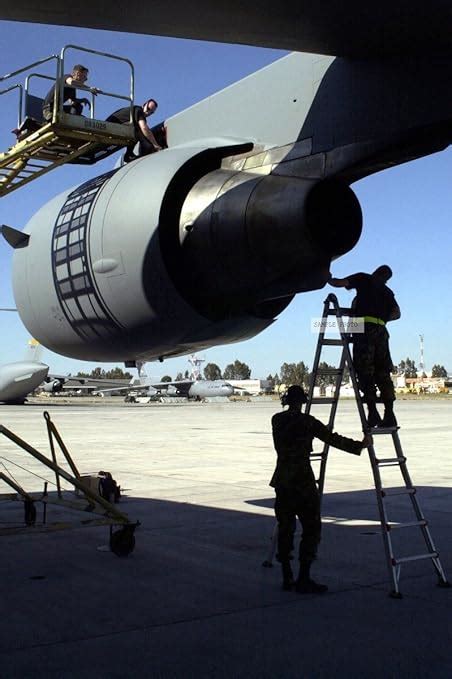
{"points": [[21, 96], [24, 69], [43, 145], [60, 71], [106, 55]]}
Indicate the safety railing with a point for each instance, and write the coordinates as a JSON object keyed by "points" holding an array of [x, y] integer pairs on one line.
{"points": [[21, 96], [107, 55], [58, 79]]}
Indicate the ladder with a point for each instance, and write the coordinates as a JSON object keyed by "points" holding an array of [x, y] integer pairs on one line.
{"points": [[333, 309]]}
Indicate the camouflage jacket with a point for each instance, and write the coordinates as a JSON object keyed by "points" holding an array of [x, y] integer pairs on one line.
{"points": [[293, 433]]}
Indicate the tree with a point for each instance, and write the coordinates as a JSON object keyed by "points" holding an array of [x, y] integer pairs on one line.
{"points": [[323, 380], [237, 371], [439, 371], [408, 368], [212, 372], [179, 377], [166, 378], [100, 374], [271, 382], [186, 375], [117, 374], [295, 373]]}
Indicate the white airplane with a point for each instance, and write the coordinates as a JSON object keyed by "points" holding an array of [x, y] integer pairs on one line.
{"points": [[193, 388]]}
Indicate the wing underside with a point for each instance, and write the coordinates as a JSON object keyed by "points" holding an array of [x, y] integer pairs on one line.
{"points": [[355, 28]]}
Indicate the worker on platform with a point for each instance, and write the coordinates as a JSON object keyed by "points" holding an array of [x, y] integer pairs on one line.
{"points": [[144, 136], [376, 305], [295, 486], [71, 104]]}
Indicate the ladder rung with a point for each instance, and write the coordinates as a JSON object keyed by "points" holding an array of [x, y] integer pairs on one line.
{"points": [[416, 557], [328, 371], [399, 491], [324, 400], [390, 461], [342, 311], [332, 342], [375, 431], [409, 524]]}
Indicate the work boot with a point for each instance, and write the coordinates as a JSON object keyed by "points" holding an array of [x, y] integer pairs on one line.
{"points": [[389, 419], [310, 587], [373, 418], [305, 584], [288, 582]]}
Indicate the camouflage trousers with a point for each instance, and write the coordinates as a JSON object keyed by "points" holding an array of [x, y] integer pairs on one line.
{"points": [[372, 362], [303, 503]]}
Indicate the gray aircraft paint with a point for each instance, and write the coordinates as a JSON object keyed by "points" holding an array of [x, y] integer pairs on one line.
{"points": [[19, 379], [241, 163], [206, 389], [354, 28], [267, 107]]}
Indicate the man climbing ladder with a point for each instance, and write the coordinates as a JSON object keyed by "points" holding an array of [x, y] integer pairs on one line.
{"points": [[376, 305]]}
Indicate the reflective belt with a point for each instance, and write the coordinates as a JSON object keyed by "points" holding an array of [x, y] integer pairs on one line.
{"points": [[372, 319]]}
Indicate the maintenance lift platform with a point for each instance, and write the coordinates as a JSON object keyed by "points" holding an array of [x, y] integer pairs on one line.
{"points": [[44, 145]]}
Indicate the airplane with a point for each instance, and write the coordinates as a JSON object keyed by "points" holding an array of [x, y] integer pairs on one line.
{"points": [[209, 240], [194, 388], [19, 379]]}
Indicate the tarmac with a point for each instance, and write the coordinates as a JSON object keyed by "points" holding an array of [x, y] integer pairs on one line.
{"points": [[193, 599]]}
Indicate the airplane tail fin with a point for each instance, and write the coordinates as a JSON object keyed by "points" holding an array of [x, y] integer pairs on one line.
{"points": [[34, 351], [142, 375]]}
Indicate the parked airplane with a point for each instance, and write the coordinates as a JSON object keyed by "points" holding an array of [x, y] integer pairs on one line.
{"points": [[19, 379], [193, 388], [209, 240], [184, 388]]}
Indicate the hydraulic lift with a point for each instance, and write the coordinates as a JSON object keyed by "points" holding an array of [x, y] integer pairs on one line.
{"points": [[43, 145]]}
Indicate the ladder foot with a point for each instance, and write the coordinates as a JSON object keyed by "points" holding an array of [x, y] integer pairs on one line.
{"points": [[267, 564], [443, 583], [395, 595]]}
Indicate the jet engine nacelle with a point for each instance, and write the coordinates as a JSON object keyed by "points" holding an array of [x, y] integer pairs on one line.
{"points": [[53, 386], [174, 253]]}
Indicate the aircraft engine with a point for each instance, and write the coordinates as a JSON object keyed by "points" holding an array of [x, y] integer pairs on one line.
{"points": [[176, 252], [53, 386]]}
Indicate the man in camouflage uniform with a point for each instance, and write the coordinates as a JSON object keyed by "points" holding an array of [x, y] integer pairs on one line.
{"points": [[376, 304], [295, 486]]}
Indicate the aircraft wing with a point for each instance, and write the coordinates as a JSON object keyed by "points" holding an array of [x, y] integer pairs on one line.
{"points": [[182, 387], [56, 383], [354, 28]]}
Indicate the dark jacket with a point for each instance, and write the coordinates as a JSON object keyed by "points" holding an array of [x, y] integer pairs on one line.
{"points": [[293, 433]]}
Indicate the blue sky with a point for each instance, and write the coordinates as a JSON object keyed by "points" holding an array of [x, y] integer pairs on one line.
{"points": [[407, 210]]}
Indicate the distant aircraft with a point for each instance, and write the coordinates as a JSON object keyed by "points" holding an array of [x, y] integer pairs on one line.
{"points": [[193, 388], [19, 379], [209, 240]]}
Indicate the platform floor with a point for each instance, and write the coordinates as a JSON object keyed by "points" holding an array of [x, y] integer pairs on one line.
{"points": [[193, 599]]}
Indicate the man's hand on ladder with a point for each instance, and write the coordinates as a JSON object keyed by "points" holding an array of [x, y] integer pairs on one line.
{"points": [[367, 441]]}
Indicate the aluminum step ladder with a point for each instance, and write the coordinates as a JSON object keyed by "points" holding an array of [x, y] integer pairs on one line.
{"points": [[333, 309]]}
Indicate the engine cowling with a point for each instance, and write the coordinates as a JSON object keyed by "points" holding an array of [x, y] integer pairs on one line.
{"points": [[174, 253], [53, 386]]}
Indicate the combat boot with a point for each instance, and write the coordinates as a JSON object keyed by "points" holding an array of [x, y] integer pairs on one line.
{"points": [[389, 419], [310, 587], [288, 582], [373, 418], [304, 584]]}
